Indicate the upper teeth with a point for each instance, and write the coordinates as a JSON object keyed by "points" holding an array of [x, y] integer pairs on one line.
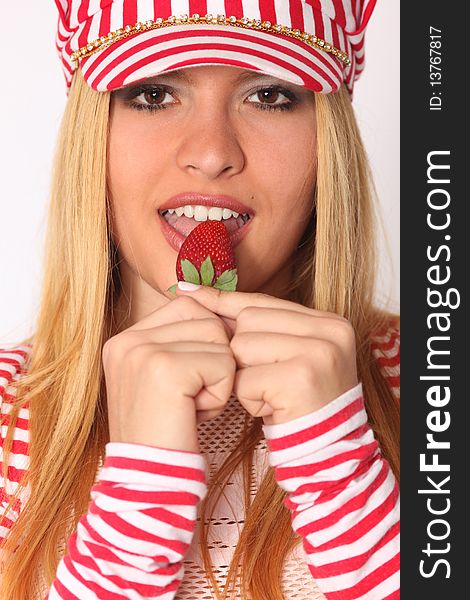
{"points": [[202, 213]]}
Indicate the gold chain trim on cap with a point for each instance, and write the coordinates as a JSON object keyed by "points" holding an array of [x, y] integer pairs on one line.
{"points": [[114, 36]]}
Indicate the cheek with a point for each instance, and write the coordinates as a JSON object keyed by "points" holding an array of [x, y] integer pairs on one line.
{"points": [[290, 171], [135, 156], [126, 164], [288, 150], [129, 183]]}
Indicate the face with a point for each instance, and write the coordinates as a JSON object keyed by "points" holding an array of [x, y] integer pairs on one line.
{"points": [[215, 131]]}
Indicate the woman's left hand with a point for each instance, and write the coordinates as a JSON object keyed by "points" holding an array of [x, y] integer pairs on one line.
{"points": [[291, 359]]}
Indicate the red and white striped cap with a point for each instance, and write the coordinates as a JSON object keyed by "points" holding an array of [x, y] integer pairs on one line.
{"points": [[317, 44]]}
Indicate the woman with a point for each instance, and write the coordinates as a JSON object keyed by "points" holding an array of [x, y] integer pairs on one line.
{"points": [[205, 407]]}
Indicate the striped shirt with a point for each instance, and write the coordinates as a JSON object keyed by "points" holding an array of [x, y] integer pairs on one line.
{"points": [[137, 538]]}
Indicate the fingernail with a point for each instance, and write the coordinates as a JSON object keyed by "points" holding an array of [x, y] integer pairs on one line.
{"points": [[185, 286]]}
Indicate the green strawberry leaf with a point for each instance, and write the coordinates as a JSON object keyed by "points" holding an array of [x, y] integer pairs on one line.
{"points": [[207, 272], [172, 288], [226, 277], [227, 286], [190, 272]]}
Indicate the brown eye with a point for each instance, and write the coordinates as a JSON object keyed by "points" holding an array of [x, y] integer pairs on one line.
{"points": [[268, 96], [153, 96], [273, 98]]}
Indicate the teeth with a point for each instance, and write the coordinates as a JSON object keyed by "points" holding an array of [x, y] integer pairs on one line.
{"points": [[214, 214], [226, 213], [203, 213], [200, 213]]}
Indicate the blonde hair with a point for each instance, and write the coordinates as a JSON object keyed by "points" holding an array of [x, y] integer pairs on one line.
{"points": [[64, 388]]}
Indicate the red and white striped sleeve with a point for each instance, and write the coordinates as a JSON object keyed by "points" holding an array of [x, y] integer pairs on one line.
{"points": [[140, 523], [343, 496], [12, 362], [386, 350]]}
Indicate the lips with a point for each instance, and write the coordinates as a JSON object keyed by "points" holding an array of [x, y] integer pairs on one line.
{"points": [[175, 229], [221, 201]]}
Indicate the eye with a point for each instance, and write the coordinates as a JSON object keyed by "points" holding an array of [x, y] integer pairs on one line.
{"points": [[151, 98], [273, 98]]}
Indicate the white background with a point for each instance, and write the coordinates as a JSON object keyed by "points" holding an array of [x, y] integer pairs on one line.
{"points": [[31, 103]]}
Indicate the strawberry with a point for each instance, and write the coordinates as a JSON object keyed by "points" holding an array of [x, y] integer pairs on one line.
{"points": [[206, 257]]}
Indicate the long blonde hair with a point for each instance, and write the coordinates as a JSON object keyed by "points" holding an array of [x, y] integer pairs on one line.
{"points": [[64, 388]]}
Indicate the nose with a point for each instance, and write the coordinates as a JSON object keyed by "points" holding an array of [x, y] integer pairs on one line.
{"points": [[210, 146]]}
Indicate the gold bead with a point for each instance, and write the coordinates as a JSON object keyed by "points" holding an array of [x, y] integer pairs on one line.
{"points": [[105, 40]]}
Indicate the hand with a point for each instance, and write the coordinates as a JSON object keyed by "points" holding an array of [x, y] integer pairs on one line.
{"points": [[291, 360], [166, 373]]}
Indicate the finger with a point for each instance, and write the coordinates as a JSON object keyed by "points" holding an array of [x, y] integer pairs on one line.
{"points": [[251, 386], [230, 304], [280, 320], [211, 330], [254, 348], [179, 309], [191, 347], [273, 390], [205, 400], [230, 325], [208, 370]]}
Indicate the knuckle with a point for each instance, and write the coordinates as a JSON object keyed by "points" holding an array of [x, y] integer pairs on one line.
{"points": [[247, 316], [304, 371], [230, 361], [106, 350], [115, 348], [162, 360], [260, 297], [139, 354], [345, 335], [215, 330], [240, 341], [330, 354]]}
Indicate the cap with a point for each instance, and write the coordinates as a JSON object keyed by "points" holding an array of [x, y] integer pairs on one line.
{"points": [[317, 44]]}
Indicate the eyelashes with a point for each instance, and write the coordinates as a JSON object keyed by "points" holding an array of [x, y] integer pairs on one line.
{"points": [[151, 98]]}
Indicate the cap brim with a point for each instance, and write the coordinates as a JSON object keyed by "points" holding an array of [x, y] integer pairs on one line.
{"points": [[156, 51]]}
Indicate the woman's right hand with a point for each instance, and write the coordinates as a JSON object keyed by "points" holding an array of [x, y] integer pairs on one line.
{"points": [[166, 373]]}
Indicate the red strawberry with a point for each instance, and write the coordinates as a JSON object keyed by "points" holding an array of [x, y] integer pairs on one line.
{"points": [[206, 257]]}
